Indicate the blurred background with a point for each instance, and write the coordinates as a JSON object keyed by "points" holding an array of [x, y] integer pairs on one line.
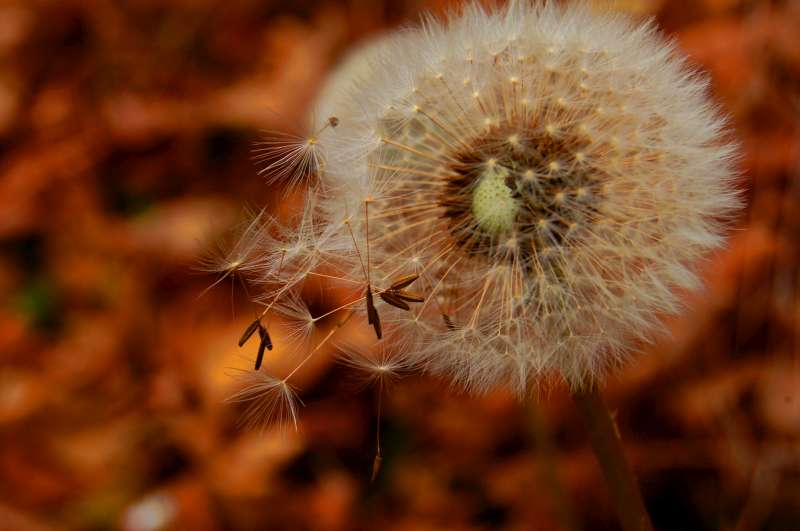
{"points": [[126, 137]]}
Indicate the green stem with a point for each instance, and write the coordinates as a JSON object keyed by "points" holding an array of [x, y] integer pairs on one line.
{"points": [[622, 484]]}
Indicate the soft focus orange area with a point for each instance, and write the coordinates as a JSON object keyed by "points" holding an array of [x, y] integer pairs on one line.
{"points": [[126, 136]]}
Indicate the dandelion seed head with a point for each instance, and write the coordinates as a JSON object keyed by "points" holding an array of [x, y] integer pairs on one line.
{"points": [[552, 175], [551, 184]]}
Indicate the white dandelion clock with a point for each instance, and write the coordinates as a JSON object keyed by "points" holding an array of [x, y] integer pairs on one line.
{"points": [[551, 174], [510, 195]]}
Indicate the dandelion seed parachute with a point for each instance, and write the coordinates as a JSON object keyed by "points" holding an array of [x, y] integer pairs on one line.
{"points": [[243, 255], [377, 369], [551, 173], [266, 399], [288, 156]]}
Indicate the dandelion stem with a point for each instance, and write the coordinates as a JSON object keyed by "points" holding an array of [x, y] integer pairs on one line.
{"points": [[544, 445], [622, 484]]}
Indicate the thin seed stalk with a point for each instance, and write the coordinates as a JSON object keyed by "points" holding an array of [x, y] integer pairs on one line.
{"points": [[622, 485]]}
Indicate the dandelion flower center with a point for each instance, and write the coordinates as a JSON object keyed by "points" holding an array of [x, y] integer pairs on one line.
{"points": [[493, 202], [518, 190]]}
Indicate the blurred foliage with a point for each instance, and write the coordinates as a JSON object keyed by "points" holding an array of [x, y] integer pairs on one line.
{"points": [[126, 130]]}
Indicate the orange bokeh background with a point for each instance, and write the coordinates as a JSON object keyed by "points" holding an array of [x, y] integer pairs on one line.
{"points": [[126, 138]]}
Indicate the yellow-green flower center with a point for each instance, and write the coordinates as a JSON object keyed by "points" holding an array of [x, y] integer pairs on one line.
{"points": [[493, 204]]}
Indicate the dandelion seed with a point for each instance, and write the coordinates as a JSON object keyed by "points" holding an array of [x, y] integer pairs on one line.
{"points": [[249, 331], [403, 282], [397, 296], [378, 370], [390, 298], [265, 343], [376, 465], [372, 314]]}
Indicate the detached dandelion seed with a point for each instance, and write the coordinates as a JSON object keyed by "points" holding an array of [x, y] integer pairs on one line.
{"points": [[378, 371]]}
